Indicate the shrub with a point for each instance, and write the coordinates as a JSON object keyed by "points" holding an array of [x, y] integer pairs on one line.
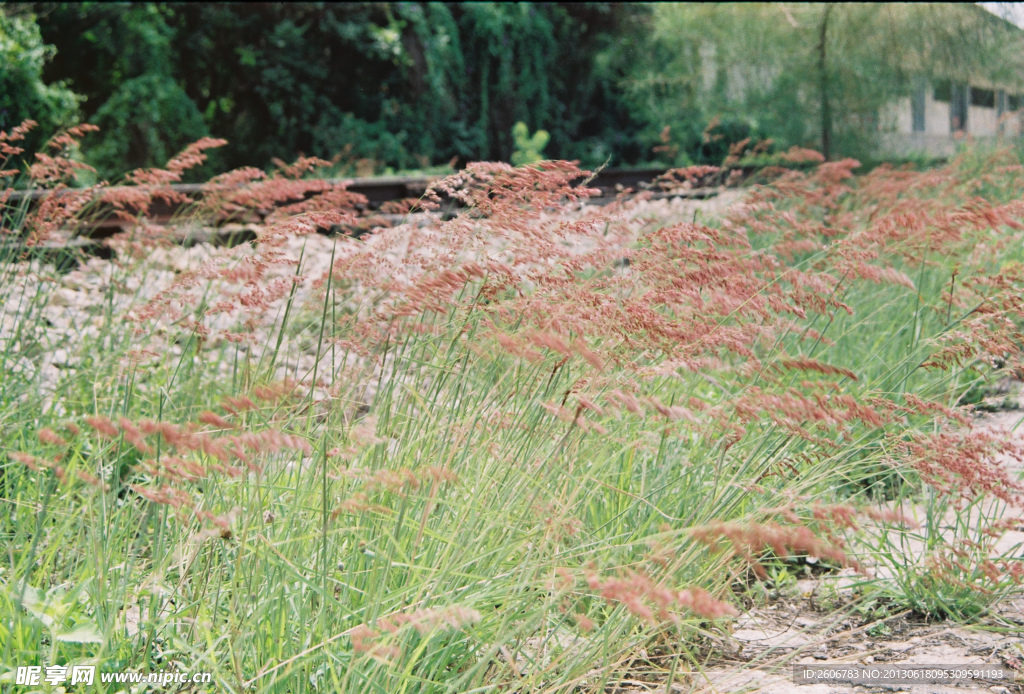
{"points": [[529, 149], [146, 120], [23, 93]]}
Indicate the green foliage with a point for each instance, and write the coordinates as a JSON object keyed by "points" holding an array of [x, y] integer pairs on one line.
{"points": [[23, 92], [800, 73], [529, 149], [947, 568], [148, 119], [407, 85], [123, 58], [399, 85], [60, 612]]}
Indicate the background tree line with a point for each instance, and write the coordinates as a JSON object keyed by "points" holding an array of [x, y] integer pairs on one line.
{"points": [[403, 84], [409, 85]]}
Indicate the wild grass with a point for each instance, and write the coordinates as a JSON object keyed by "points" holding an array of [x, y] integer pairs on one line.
{"points": [[532, 448]]}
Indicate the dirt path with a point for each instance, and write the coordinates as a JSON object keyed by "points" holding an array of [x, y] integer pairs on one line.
{"points": [[820, 623]]}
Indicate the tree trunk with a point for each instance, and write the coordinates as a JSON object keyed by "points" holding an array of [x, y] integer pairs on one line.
{"points": [[826, 106]]}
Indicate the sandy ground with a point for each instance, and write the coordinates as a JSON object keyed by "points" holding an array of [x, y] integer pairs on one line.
{"points": [[811, 625]]}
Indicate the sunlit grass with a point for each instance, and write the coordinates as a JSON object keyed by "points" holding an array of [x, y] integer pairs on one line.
{"points": [[423, 507]]}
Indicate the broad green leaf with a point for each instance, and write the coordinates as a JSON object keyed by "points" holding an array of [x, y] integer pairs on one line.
{"points": [[87, 632]]}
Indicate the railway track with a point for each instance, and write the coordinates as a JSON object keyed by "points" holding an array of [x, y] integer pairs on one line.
{"points": [[89, 235]]}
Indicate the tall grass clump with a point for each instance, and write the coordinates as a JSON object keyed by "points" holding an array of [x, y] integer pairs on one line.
{"points": [[534, 447]]}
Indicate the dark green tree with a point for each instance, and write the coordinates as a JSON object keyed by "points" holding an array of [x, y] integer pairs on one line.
{"points": [[123, 58], [24, 94], [399, 84]]}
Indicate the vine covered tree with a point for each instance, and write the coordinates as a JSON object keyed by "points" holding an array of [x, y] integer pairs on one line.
{"points": [[402, 85]]}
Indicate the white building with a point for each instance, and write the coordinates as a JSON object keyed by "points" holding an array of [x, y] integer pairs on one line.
{"points": [[738, 69], [940, 114]]}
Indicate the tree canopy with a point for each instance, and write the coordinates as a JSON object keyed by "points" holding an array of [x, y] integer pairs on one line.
{"points": [[400, 84], [23, 93], [411, 85]]}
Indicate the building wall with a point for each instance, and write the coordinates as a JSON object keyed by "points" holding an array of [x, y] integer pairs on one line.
{"points": [[899, 116], [937, 139], [936, 115], [1011, 124], [981, 121]]}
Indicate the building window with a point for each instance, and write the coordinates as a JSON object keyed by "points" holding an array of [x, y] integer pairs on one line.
{"points": [[1014, 102], [983, 97], [942, 90], [959, 98], [917, 100]]}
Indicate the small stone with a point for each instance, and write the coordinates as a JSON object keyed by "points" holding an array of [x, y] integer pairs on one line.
{"points": [[64, 297]]}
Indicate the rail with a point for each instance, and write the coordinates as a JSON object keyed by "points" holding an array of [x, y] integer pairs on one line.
{"points": [[88, 235]]}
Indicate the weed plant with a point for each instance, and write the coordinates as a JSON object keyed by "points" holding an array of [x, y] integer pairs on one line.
{"points": [[511, 451]]}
